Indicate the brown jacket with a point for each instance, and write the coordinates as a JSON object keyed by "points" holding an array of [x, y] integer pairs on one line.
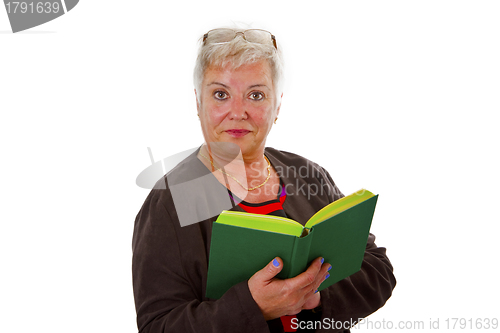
{"points": [[170, 261]]}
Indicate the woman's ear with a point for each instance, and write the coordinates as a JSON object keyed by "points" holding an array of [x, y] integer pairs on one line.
{"points": [[197, 101], [279, 105]]}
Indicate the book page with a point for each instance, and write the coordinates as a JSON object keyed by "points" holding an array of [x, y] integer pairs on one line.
{"points": [[261, 222], [339, 206]]}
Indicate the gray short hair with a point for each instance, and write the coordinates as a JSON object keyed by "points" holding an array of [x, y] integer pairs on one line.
{"points": [[236, 53]]}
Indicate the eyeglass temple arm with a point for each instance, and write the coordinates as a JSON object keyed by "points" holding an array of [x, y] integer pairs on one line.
{"points": [[274, 41]]}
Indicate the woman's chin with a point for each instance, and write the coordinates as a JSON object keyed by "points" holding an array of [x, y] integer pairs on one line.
{"points": [[245, 144]]}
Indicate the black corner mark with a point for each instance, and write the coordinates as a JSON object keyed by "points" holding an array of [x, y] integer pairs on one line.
{"points": [[26, 14]]}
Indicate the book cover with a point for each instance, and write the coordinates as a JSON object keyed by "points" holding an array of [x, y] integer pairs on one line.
{"points": [[243, 243]]}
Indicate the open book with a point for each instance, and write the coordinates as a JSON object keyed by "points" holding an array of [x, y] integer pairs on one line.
{"points": [[243, 243]]}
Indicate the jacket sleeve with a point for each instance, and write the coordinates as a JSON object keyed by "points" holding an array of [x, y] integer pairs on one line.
{"points": [[168, 291], [362, 293]]}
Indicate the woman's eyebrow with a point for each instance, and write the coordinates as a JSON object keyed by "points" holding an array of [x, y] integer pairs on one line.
{"points": [[221, 84], [227, 87], [258, 85]]}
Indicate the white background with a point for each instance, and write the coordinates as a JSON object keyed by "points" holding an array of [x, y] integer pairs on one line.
{"points": [[399, 97]]}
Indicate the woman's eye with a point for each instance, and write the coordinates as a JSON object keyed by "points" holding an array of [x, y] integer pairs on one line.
{"points": [[257, 96], [220, 95]]}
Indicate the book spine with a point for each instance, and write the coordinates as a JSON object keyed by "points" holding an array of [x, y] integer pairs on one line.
{"points": [[300, 254]]}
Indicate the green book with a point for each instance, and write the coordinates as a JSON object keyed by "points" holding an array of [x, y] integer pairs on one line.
{"points": [[243, 243]]}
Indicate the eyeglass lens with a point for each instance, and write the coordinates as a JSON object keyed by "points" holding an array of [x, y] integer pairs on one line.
{"points": [[251, 35]]}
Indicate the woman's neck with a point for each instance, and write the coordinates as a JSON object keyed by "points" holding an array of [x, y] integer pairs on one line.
{"points": [[251, 179], [250, 166]]}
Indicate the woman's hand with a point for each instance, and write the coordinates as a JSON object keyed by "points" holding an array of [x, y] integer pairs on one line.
{"points": [[276, 297]]}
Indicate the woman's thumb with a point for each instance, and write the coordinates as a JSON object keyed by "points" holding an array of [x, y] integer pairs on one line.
{"points": [[273, 268]]}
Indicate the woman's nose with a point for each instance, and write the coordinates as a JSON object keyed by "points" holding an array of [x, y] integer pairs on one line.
{"points": [[238, 110]]}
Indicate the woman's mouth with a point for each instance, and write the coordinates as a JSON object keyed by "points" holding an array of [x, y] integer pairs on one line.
{"points": [[237, 133]]}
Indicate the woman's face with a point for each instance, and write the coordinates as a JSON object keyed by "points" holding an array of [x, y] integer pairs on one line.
{"points": [[238, 106]]}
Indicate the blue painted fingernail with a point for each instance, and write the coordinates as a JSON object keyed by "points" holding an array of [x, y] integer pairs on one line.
{"points": [[329, 267], [316, 291], [322, 261], [327, 276], [276, 263]]}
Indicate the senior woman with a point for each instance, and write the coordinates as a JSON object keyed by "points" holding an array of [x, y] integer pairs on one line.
{"points": [[238, 84]]}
